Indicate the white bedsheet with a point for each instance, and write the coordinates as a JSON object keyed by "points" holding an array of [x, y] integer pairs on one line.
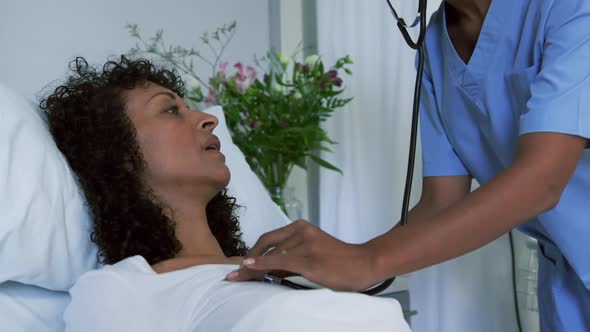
{"points": [[130, 296]]}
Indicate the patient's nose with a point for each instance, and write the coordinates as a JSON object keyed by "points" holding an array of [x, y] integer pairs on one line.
{"points": [[207, 121]]}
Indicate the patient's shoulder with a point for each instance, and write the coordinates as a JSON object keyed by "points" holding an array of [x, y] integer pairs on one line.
{"points": [[114, 276], [113, 296], [134, 264], [115, 280]]}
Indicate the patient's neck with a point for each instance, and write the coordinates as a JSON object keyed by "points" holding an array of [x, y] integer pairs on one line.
{"points": [[192, 229]]}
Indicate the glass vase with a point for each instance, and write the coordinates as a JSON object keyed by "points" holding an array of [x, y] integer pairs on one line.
{"points": [[293, 206], [285, 198], [277, 195]]}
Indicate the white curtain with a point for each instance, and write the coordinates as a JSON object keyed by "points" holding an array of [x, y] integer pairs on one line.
{"points": [[471, 293]]}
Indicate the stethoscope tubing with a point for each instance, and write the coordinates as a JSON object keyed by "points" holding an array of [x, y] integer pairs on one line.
{"points": [[419, 46]]}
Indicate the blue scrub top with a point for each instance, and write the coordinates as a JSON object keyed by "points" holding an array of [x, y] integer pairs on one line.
{"points": [[530, 72]]}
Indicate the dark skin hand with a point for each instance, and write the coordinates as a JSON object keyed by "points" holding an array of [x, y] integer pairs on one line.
{"points": [[447, 222]]}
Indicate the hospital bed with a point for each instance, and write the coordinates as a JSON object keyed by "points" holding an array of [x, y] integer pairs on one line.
{"points": [[45, 225]]}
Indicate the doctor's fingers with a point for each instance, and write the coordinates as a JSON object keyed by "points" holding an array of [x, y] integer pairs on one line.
{"points": [[245, 274], [293, 246], [287, 262], [274, 238]]}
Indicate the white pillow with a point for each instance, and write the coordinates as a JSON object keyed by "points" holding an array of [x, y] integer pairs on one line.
{"points": [[259, 214], [44, 225]]}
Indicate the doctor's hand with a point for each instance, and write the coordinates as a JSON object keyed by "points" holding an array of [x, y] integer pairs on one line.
{"points": [[304, 249]]}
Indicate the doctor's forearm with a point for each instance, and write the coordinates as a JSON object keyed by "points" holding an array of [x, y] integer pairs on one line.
{"points": [[494, 209], [542, 167]]}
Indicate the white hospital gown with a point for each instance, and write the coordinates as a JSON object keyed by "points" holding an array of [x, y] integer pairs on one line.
{"points": [[130, 296]]}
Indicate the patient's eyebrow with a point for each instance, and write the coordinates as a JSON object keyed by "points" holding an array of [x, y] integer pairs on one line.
{"points": [[166, 93]]}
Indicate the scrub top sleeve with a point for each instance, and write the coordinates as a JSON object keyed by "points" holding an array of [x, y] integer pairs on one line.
{"points": [[438, 156], [560, 91]]}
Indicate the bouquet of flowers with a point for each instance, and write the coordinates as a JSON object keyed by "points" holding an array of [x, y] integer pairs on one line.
{"points": [[274, 118]]}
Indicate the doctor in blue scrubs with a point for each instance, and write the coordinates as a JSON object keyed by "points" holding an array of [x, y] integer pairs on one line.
{"points": [[505, 100]]}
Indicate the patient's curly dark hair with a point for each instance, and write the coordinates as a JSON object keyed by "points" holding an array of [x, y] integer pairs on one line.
{"points": [[87, 118]]}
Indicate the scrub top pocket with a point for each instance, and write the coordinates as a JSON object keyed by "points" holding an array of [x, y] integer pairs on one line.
{"points": [[519, 87]]}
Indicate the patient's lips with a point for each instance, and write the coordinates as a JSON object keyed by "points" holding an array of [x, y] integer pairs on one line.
{"points": [[213, 145]]}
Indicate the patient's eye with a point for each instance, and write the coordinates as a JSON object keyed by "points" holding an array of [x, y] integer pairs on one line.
{"points": [[174, 110]]}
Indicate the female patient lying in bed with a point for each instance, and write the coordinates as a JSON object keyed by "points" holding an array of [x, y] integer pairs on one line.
{"points": [[155, 179]]}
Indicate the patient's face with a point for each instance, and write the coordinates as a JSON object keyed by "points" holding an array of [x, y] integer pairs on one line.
{"points": [[177, 143]]}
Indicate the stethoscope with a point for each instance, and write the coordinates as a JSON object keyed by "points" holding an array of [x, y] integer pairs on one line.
{"points": [[419, 46]]}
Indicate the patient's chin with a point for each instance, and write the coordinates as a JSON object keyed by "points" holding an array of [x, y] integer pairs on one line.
{"points": [[227, 179], [219, 182], [220, 177], [216, 179]]}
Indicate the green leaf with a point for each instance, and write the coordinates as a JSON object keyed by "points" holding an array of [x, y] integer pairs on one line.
{"points": [[323, 148], [324, 163]]}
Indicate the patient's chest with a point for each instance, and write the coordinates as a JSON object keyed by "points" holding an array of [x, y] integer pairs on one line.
{"points": [[135, 298]]}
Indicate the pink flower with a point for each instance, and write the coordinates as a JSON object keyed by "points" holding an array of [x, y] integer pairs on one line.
{"points": [[222, 69], [302, 68], [210, 99], [337, 81], [331, 77], [245, 76]]}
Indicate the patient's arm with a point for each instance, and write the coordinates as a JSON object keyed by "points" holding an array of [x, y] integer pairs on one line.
{"points": [[180, 263]]}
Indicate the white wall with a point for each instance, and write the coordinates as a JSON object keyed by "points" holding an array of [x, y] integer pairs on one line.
{"points": [[39, 38]]}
